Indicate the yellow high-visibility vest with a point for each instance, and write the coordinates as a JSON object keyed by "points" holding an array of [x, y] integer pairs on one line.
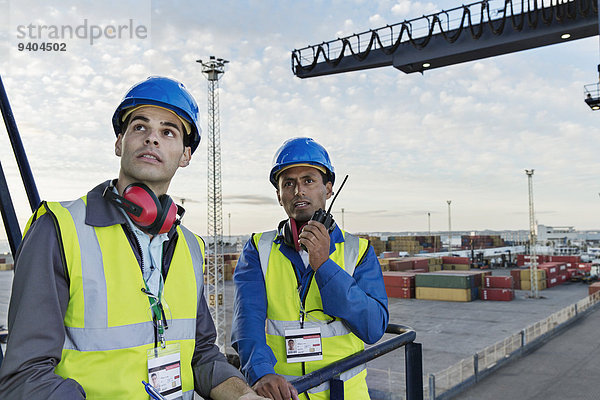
{"points": [[283, 312], [108, 322]]}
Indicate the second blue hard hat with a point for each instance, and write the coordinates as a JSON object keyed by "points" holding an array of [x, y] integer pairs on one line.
{"points": [[167, 93], [302, 150]]}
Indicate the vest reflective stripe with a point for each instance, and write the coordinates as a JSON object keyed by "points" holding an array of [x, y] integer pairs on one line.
{"points": [[264, 249], [197, 257], [126, 336], [92, 270], [283, 313], [335, 328], [108, 321], [351, 248]]}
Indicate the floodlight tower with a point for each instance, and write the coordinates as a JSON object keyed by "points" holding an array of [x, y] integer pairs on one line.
{"points": [[213, 69], [449, 229], [532, 240]]}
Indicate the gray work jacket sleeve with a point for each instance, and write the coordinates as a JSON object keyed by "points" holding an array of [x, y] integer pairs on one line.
{"points": [[209, 365], [40, 294]]}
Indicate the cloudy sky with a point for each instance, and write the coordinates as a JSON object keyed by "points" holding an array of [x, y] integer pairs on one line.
{"points": [[409, 142]]}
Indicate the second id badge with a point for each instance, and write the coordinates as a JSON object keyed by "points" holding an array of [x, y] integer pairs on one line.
{"points": [[164, 370], [303, 344]]}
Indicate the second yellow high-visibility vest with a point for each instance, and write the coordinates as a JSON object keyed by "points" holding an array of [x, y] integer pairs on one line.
{"points": [[283, 313]]}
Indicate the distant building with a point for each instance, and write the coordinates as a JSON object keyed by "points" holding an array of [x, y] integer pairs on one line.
{"points": [[556, 235]]}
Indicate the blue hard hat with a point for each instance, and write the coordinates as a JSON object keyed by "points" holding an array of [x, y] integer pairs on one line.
{"points": [[301, 150], [167, 93]]}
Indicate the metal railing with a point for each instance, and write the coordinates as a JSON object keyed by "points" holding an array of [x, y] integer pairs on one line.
{"points": [[7, 210], [413, 364]]}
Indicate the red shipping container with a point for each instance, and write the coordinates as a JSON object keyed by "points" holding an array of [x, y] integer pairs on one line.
{"points": [[455, 260], [497, 294], [516, 274], [400, 265], [517, 284], [550, 268], [593, 288], [525, 259], [566, 259], [400, 293], [398, 279], [563, 278], [563, 267], [551, 282], [506, 282]]}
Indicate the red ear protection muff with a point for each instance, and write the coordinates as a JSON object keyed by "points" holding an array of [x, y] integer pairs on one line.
{"points": [[153, 215], [289, 233]]}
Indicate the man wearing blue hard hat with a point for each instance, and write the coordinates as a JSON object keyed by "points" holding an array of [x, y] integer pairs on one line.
{"points": [[307, 281], [108, 289]]}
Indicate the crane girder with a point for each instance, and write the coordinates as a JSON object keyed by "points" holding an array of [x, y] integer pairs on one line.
{"points": [[534, 27]]}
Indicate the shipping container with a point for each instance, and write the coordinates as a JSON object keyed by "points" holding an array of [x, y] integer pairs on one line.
{"points": [[400, 293], [455, 260], [477, 275], [442, 280], [456, 267], [6, 267], [443, 294], [526, 285], [593, 288], [506, 282], [497, 294], [516, 274], [526, 274], [399, 279]]}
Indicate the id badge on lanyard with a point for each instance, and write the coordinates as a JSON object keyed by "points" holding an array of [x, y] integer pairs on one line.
{"points": [[164, 370], [303, 344]]}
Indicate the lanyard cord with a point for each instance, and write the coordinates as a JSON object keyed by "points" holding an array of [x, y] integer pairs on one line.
{"points": [[158, 315], [303, 293]]}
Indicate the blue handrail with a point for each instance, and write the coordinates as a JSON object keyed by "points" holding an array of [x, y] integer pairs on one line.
{"points": [[413, 361]]}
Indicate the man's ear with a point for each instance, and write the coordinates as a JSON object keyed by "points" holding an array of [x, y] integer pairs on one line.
{"points": [[279, 198], [118, 145], [329, 189], [184, 161]]}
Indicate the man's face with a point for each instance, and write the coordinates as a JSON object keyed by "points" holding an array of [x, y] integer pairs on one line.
{"points": [[151, 149], [301, 192]]}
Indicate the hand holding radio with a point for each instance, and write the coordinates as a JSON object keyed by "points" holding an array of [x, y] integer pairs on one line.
{"points": [[316, 237]]}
